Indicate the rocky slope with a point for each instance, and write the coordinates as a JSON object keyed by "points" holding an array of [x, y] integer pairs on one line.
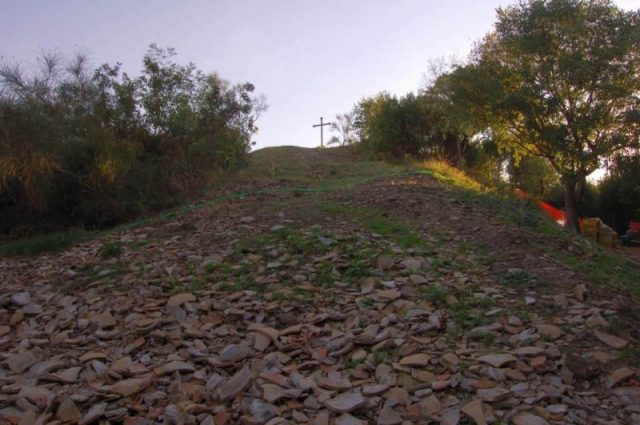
{"points": [[391, 302]]}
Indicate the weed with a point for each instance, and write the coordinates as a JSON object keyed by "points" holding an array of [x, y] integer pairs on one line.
{"points": [[515, 277], [368, 301], [352, 364], [381, 356], [436, 294]]}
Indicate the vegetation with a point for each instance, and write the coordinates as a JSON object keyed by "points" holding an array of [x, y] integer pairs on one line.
{"points": [[558, 79], [96, 147], [542, 102]]}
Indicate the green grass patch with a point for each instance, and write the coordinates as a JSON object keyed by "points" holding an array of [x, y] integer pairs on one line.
{"points": [[50, 242], [605, 269], [110, 249], [399, 232]]}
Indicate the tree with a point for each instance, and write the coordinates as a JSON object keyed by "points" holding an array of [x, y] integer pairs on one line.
{"points": [[560, 79], [344, 126], [532, 174], [95, 146]]}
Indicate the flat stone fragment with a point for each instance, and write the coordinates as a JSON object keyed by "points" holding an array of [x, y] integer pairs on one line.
{"points": [[347, 419], [374, 389], [389, 294], [29, 418], [340, 384], [129, 387], [68, 412], [529, 351], [266, 331], [19, 362], [20, 299], [493, 395], [412, 264], [104, 320], [384, 262], [498, 360], [179, 299], [611, 340], [549, 331], [346, 402], [388, 416], [474, 411], [95, 412], [451, 358], [529, 419], [237, 384], [619, 375], [175, 366], [450, 416], [272, 392], [415, 360]]}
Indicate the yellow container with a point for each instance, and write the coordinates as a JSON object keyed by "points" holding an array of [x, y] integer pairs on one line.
{"points": [[591, 227]]}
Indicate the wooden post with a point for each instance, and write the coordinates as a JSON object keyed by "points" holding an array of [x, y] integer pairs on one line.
{"points": [[321, 125]]}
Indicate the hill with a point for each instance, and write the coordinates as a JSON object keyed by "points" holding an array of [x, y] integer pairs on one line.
{"points": [[320, 287]]}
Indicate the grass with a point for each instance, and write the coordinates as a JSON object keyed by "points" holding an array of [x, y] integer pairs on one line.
{"points": [[110, 249], [316, 168], [41, 243], [605, 269], [451, 176]]}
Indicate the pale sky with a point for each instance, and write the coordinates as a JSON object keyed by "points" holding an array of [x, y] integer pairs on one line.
{"points": [[310, 58]]}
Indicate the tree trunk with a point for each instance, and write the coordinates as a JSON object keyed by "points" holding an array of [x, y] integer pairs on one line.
{"points": [[573, 187]]}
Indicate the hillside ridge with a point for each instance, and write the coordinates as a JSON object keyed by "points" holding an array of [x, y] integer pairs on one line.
{"points": [[388, 296]]}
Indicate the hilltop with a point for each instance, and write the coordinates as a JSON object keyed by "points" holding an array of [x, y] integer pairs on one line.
{"points": [[318, 286]]}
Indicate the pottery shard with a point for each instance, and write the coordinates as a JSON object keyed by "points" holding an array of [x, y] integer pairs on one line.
{"points": [[497, 360], [549, 331], [237, 384], [474, 411], [129, 387], [346, 402], [415, 360], [179, 299], [611, 341]]}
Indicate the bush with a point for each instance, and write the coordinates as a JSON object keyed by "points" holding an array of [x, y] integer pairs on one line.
{"points": [[620, 193], [97, 147]]}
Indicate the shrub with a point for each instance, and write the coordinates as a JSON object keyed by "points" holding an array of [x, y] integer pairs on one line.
{"points": [[98, 147]]}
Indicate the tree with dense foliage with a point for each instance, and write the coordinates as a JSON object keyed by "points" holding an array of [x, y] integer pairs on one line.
{"points": [[411, 125], [559, 79], [98, 147]]}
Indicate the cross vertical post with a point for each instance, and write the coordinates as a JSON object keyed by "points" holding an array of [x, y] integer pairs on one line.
{"points": [[321, 125]]}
